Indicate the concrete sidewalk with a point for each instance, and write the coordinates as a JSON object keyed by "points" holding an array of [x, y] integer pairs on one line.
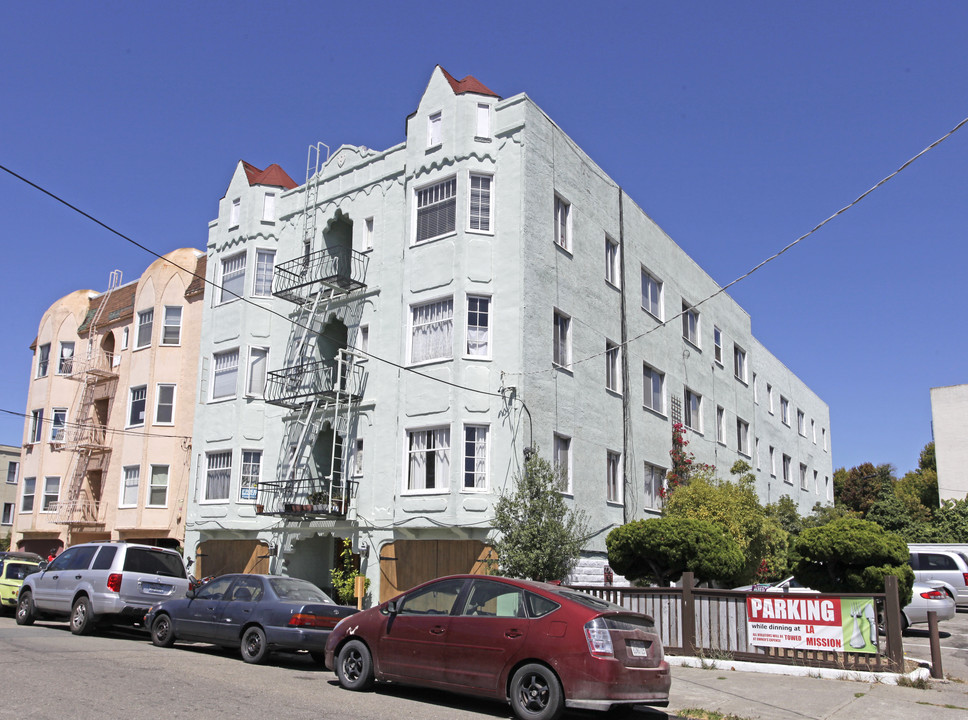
{"points": [[766, 695]]}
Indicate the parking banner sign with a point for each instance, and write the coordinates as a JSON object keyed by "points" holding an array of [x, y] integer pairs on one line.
{"points": [[812, 622]]}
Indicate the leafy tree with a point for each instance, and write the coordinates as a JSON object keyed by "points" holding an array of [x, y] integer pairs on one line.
{"points": [[538, 536], [661, 549], [862, 486], [344, 576], [895, 515], [852, 555], [951, 522], [787, 514], [734, 507]]}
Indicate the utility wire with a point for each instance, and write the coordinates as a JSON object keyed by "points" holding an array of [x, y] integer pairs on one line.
{"points": [[68, 424], [768, 260], [230, 292]]}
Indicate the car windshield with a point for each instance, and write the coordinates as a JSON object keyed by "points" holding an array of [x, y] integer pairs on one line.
{"points": [[296, 590]]}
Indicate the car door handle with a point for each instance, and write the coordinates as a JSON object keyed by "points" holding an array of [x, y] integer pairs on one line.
{"points": [[513, 634], [77, 577], [438, 630]]}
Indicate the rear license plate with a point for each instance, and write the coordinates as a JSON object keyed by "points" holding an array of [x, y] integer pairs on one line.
{"points": [[638, 648], [155, 588]]}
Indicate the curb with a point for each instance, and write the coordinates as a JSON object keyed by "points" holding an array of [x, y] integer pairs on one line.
{"points": [[883, 678]]}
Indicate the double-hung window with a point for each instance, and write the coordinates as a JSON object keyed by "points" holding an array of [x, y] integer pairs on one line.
{"points": [[720, 424], [251, 473], [7, 514], [562, 223], [432, 331], [480, 202], [65, 365], [36, 426], [804, 484], [265, 261], [613, 477], [367, 235], [269, 207], [742, 436], [130, 486], [434, 124], [146, 319], [801, 423], [478, 326], [718, 345], [690, 324], [43, 360], [164, 404], [235, 212], [58, 421], [13, 470], [436, 210], [654, 485], [483, 121], [784, 410], [562, 461], [613, 262], [562, 340], [654, 389], [739, 363], [255, 384], [651, 295], [136, 405], [218, 475], [475, 457], [158, 487], [786, 469], [51, 494], [428, 466], [27, 497], [171, 331], [613, 367], [225, 374], [233, 277], [693, 410]]}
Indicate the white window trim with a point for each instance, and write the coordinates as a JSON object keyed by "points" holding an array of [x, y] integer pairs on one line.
{"points": [[613, 264], [416, 209], [248, 371], [366, 243], [742, 437], [617, 480], [269, 208], [127, 416], [65, 364], [435, 127], [718, 345], [125, 333], [698, 428], [54, 426], [565, 242], [124, 479], [24, 495], [482, 122], [490, 326], [235, 213], [150, 485], [255, 497], [662, 390], [43, 498], [36, 430], [211, 384], [720, 424], [569, 473], [203, 490], [165, 325], [151, 335], [490, 200], [412, 328], [487, 458], [566, 365], [613, 367], [43, 361], [660, 289], [225, 296], [693, 338], [740, 364], [255, 273], [174, 400], [439, 490]]}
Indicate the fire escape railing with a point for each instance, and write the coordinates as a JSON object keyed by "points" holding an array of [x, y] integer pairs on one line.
{"points": [[343, 270], [295, 387]]}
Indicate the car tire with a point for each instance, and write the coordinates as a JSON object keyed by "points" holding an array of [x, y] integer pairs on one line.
{"points": [[26, 613], [254, 646], [536, 693], [82, 619], [354, 666], [162, 632]]}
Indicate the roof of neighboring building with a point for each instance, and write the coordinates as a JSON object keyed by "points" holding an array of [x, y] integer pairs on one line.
{"points": [[469, 84], [120, 306], [272, 175], [197, 285]]}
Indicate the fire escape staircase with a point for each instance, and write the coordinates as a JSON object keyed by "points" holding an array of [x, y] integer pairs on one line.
{"points": [[315, 390], [86, 437]]}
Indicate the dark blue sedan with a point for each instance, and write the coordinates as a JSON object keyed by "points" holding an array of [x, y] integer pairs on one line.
{"points": [[257, 613]]}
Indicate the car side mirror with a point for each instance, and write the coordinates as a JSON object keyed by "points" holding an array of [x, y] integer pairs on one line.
{"points": [[392, 607]]}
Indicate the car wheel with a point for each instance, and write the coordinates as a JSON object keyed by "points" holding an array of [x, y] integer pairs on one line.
{"points": [[82, 621], [536, 693], [162, 633], [254, 645], [354, 666], [25, 609]]}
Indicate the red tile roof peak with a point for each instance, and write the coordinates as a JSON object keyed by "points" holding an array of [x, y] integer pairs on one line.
{"points": [[469, 84], [273, 175]]}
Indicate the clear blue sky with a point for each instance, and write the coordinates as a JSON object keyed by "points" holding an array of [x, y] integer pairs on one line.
{"points": [[737, 126]]}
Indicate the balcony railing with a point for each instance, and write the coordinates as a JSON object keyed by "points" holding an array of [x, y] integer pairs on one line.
{"points": [[93, 438], [100, 366], [297, 386], [78, 512], [302, 498], [342, 270]]}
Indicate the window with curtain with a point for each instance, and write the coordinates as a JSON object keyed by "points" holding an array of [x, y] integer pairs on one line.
{"points": [[265, 261], [233, 277], [218, 475], [475, 457], [129, 487], [432, 331], [251, 472], [57, 424], [429, 459], [478, 326], [66, 364], [225, 373], [258, 360]]}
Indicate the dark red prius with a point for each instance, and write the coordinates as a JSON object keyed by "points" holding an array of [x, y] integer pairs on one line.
{"points": [[540, 647]]}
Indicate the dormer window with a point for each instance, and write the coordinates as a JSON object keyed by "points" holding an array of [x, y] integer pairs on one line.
{"points": [[434, 124], [234, 215]]}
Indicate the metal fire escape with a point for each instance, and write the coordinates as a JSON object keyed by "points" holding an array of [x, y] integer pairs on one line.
{"points": [[86, 436], [322, 393]]}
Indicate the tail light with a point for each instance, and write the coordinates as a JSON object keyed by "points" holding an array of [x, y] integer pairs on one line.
{"points": [[934, 595], [598, 638], [965, 576], [313, 621], [114, 582]]}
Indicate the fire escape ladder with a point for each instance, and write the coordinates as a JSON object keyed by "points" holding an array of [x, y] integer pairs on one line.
{"points": [[86, 436]]}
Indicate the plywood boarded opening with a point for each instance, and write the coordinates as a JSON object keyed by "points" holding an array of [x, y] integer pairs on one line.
{"points": [[217, 557], [406, 563]]}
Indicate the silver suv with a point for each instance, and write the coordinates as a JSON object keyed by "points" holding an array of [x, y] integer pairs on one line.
{"points": [[115, 582], [945, 564]]}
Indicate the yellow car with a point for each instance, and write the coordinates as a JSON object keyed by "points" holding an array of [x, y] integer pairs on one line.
{"points": [[13, 570]]}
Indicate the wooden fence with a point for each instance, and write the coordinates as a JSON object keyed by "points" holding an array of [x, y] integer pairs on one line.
{"points": [[711, 623]]}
